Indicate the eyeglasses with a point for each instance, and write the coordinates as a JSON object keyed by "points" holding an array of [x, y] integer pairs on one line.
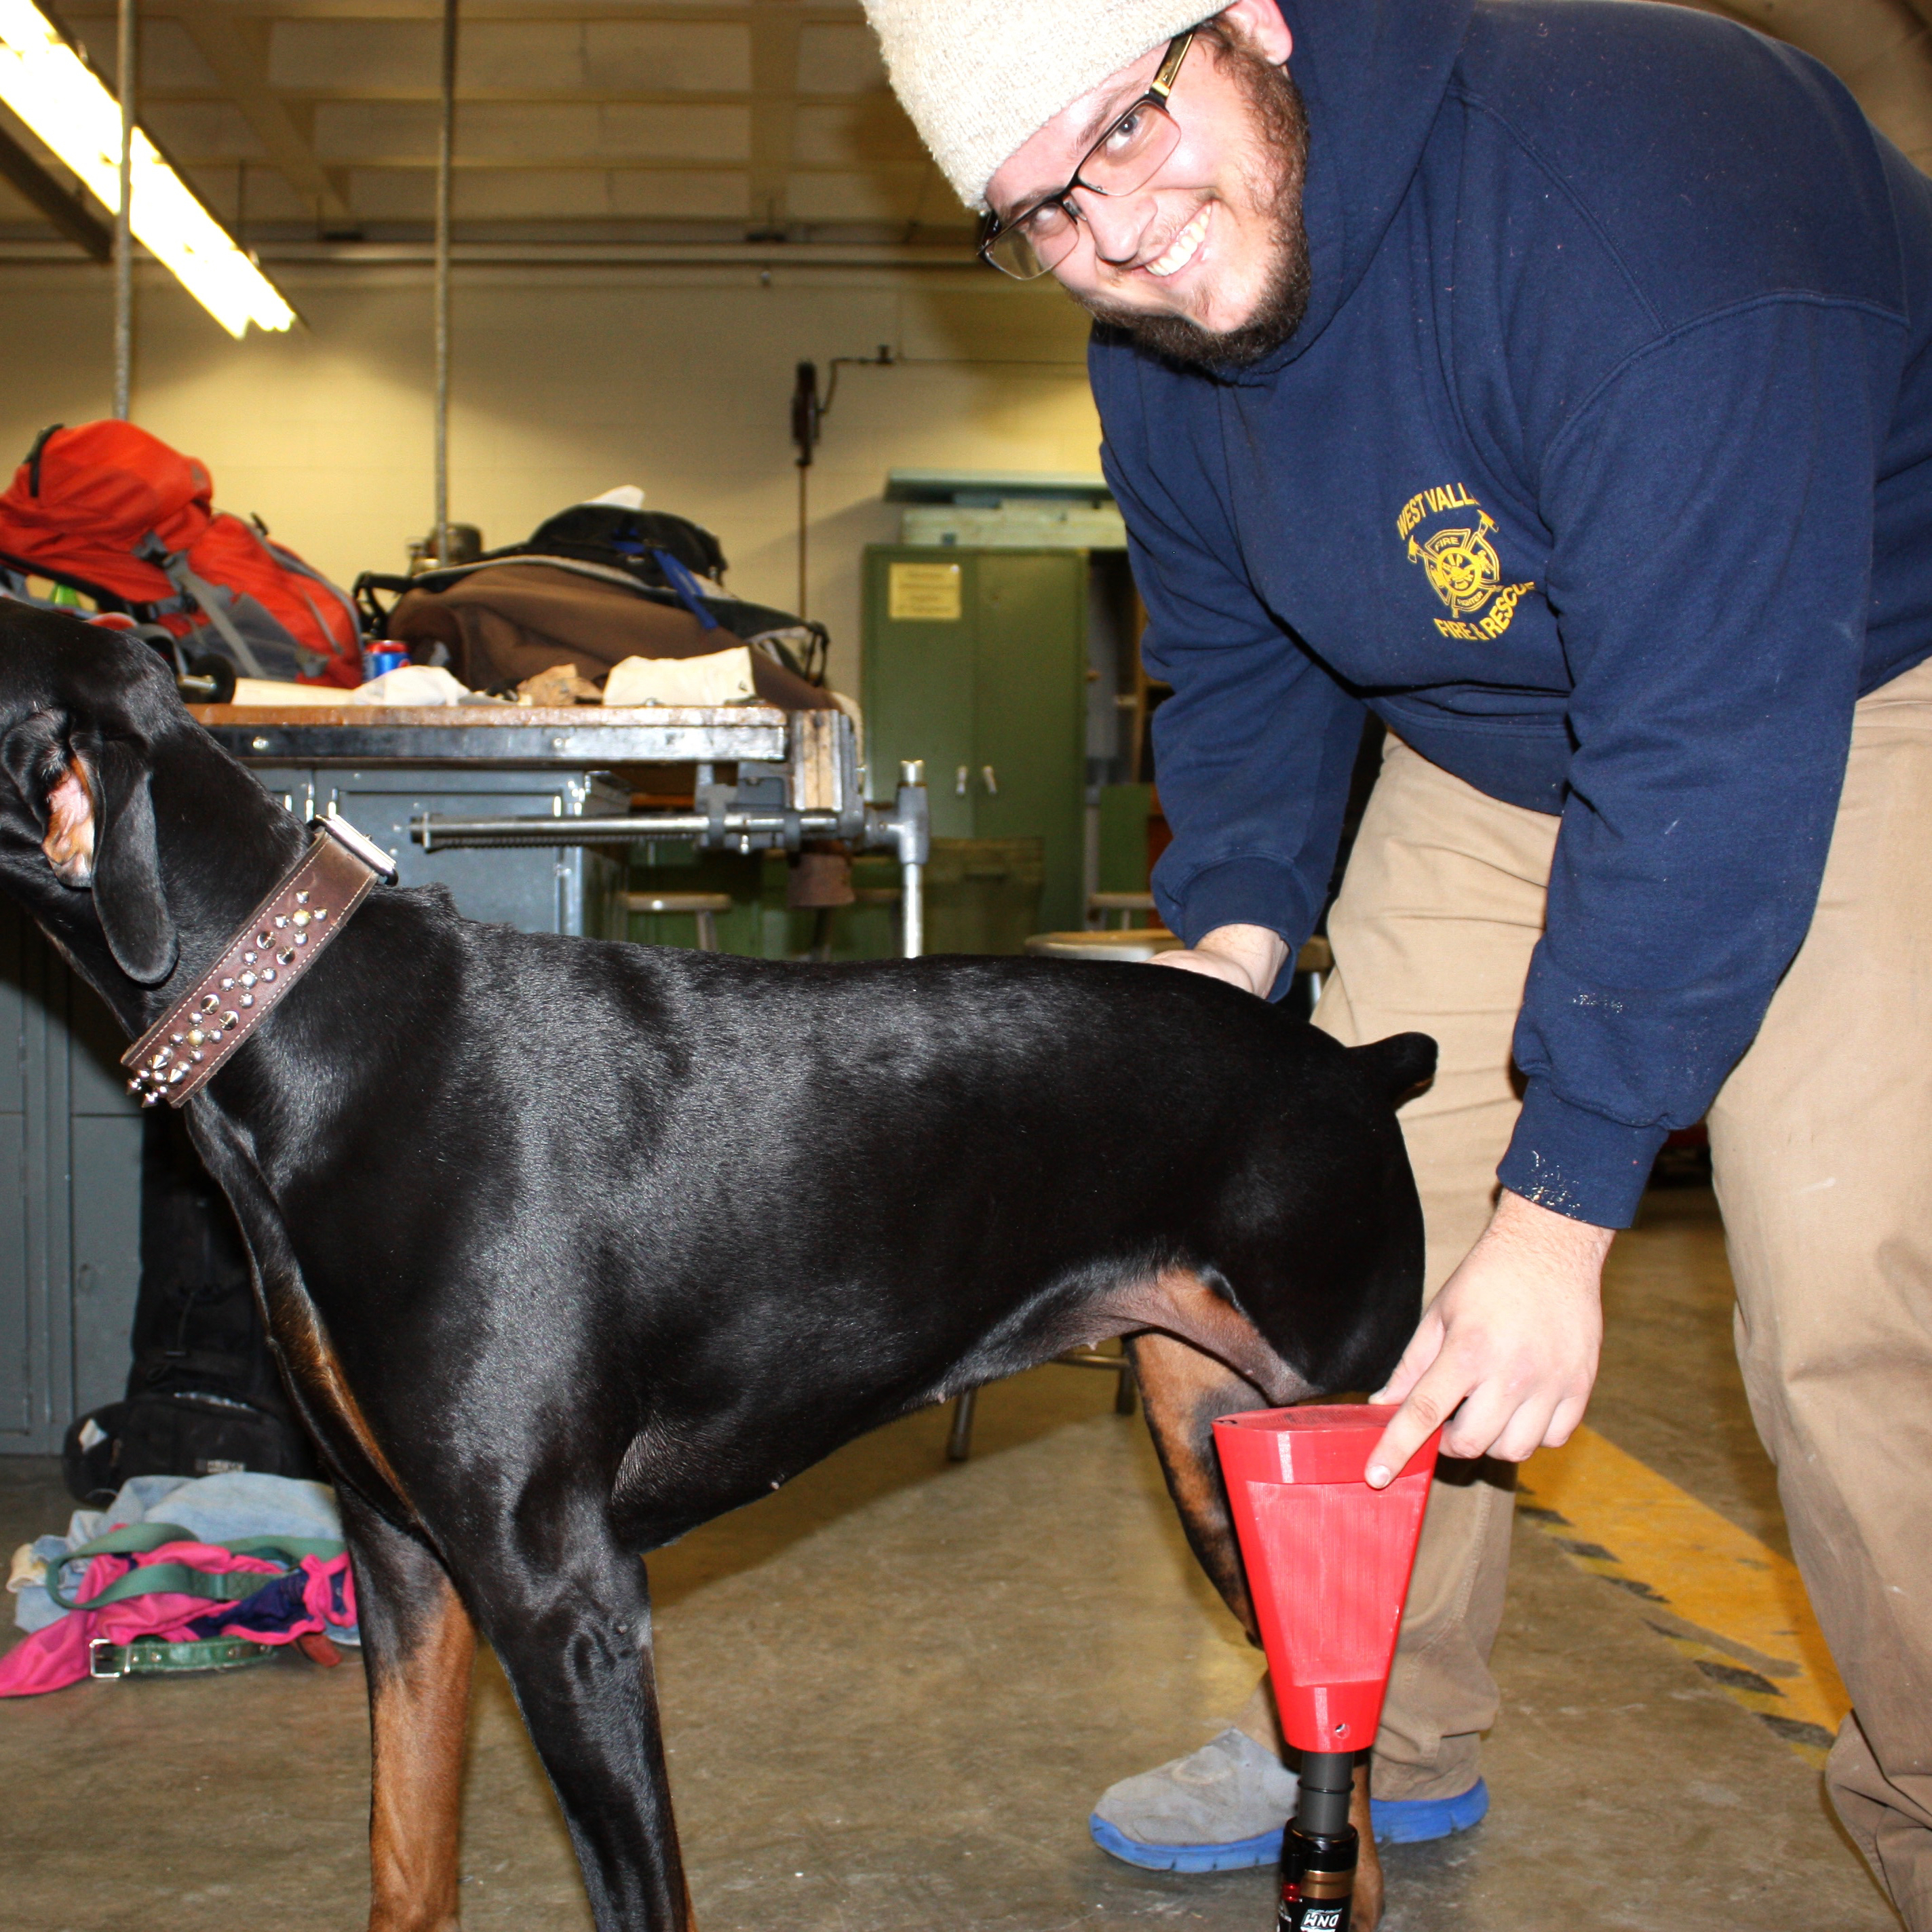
{"points": [[1124, 159]]}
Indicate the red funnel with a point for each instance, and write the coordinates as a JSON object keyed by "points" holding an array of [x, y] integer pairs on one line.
{"points": [[1327, 1558]]}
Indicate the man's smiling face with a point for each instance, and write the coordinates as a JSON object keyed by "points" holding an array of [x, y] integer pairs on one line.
{"points": [[1207, 263]]}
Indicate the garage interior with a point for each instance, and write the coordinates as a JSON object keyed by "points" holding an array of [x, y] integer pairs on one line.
{"points": [[892, 1692]]}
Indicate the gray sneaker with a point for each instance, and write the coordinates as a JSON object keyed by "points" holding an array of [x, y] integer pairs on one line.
{"points": [[1220, 1809]]}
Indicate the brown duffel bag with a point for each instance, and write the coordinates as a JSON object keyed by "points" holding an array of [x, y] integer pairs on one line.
{"points": [[504, 622]]}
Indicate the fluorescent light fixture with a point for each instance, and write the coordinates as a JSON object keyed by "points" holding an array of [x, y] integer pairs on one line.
{"points": [[51, 89]]}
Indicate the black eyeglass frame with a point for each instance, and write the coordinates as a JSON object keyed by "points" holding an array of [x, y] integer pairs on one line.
{"points": [[1158, 89]]}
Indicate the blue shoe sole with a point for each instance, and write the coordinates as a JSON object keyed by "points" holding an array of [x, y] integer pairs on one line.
{"points": [[1398, 1821], [1416, 1821], [1240, 1856]]}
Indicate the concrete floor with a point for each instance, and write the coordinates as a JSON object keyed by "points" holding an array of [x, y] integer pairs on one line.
{"points": [[893, 1691]]}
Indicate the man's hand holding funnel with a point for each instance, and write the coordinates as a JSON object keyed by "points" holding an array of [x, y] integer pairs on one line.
{"points": [[1504, 1357]]}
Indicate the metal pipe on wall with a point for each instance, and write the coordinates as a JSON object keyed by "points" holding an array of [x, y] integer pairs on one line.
{"points": [[445, 150], [124, 231]]}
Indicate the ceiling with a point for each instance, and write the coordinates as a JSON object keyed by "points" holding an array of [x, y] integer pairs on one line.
{"points": [[621, 122], [586, 120]]}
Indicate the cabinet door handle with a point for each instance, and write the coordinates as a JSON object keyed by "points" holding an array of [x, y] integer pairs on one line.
{"points": [[959, 782], [991, 781]]}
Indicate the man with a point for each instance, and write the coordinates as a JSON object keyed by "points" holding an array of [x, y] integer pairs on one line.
{"points": [[1551, 378]]}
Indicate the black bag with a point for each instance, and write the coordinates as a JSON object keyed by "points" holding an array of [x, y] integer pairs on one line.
{"points": [[608, 534], [203, 1395]]}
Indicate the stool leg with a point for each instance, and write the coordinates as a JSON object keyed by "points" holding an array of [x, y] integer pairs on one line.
{"points": [[959, 1438], [707, 932]]}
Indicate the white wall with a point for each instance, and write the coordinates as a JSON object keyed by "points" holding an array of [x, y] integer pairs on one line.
{"points": [[567, 382]]}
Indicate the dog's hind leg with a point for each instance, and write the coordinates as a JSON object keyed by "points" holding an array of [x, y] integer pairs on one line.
{"points": [[567, 1609], [418, 1643], [1183, 1391]]}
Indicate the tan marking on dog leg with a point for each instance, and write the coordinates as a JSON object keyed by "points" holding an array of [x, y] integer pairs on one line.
{"points": [[1178, 1302], [69, 843], [418, 1709], [1366, 1909], [1183, 1391], [304, 1346]]}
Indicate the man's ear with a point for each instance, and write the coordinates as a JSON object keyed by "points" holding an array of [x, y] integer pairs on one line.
{"points": [[128, 896], [1259, 22]]}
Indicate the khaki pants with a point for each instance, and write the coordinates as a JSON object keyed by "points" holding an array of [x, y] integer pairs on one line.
{"points": [[1822, 1139]]}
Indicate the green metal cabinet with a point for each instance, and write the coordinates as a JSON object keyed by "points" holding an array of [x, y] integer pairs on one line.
{"points": [[975, 662]]}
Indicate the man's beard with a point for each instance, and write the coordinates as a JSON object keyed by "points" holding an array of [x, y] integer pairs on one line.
{"points": [[1282, 132]]}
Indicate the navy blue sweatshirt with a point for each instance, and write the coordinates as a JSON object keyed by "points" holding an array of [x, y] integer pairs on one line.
{"points": [[1600, 469]]}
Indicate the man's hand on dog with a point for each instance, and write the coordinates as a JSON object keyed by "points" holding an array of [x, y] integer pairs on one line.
{"points": [[1250, 957], [1507, 1352]]}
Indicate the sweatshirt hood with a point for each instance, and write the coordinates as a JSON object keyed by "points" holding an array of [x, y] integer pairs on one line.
{"points": [[1372, 75]]}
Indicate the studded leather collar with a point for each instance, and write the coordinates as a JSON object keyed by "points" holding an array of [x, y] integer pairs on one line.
{"points": [[183, 1050]]}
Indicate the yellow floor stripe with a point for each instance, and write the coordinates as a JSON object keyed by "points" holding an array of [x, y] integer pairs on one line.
{"points": [[1735, 1608]]}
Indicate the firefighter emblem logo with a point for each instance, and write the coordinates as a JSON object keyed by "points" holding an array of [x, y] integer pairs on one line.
{"points": [[1461, 563], [1462, 566]]}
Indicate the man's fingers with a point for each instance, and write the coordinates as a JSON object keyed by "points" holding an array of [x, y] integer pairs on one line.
{"points": [[1424, 1346], [1432, 1399], [1522, 1435], [1562, 1424]]}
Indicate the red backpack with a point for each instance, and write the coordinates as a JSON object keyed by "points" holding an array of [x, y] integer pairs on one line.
{"points": [[114, 513]]}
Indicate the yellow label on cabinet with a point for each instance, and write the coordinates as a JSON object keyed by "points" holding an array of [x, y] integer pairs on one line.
{"points": [[923, 591]]}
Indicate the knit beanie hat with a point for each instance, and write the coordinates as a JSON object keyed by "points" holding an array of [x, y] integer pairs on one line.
{"points": [[980, 78]]}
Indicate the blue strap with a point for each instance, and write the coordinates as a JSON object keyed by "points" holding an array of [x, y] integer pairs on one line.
{"points": [[681, 580]]}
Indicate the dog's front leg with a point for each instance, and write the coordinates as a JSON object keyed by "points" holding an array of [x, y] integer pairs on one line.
{"points": [[418, 1643], [567, 1610]]}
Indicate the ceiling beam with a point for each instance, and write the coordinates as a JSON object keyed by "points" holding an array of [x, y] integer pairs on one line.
{"points": [[237, 51], [66, 211]]}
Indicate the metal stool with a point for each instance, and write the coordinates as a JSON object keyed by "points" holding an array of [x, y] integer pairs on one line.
{"points": [[703, 907], [959, 1437], [1315, 959], [1099, 904]]}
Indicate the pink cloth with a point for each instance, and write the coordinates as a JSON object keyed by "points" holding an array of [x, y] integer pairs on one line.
{"points": [[51, 1659]]}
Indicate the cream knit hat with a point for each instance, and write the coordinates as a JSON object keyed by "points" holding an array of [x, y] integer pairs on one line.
{"points": [[980, 78]]}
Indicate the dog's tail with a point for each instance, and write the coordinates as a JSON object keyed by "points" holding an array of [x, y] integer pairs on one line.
{"points": [[1398, 1064]]}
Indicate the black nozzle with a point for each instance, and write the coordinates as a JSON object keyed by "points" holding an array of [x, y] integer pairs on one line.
{"points": [[1327, 1783]]}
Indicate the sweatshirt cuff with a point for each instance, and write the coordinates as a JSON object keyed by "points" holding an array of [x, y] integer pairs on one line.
{"points": [[1239, 892], [1578, 1163]]}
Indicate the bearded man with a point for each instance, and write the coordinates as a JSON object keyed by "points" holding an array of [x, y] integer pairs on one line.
{"points": [[1549, 377]]}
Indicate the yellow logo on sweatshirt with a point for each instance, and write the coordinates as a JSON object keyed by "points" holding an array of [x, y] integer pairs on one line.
{"points": [[1461, 564]]}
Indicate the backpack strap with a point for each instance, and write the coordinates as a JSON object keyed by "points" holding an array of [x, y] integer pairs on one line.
{"points": [[34, 455], [209, 600], [681, 580]]}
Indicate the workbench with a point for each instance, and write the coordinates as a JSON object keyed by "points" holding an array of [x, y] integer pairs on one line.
{"points": [[526, 814]]}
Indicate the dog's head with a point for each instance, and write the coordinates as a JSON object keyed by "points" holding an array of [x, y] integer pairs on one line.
{"points": [[82, 712]]}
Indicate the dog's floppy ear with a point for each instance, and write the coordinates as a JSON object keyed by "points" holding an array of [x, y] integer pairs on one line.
{"points": [[1398, 1064], [128, 896]]}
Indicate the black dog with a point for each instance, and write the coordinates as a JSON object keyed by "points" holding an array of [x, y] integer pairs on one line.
{"points": [[569, 1247]]}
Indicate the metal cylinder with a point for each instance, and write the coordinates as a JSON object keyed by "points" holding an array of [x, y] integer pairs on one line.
{"points": [[125, 58], [445, 153], [1327, 1782]]}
